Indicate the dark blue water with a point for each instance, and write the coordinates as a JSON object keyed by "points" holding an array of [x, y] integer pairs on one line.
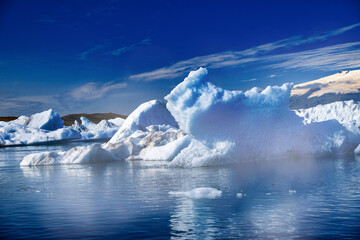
{"points": [[129, 200]]}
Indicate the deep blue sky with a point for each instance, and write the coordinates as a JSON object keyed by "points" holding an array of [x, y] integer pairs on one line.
{"points": [[102, 56]]}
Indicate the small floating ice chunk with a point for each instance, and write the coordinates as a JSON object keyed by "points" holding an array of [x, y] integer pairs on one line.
{"points": [[268, 194], [240, 195], [292, 191], [198, 193], [357, 150]]}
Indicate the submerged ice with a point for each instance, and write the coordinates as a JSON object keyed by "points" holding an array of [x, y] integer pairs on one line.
{"points": [[200, 124]]}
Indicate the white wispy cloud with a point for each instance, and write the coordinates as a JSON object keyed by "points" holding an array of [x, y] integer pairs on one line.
{"points": [[92, 91], [18, 105], [272, 76], [341, 56], [236, 58], [125, 49], [248, 80], [83, 55]]}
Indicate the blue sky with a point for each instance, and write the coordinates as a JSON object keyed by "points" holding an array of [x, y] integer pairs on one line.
{"points": [[110, 56]]}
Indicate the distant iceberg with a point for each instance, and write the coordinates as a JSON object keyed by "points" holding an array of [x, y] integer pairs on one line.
{"points": [[16, 134], [47, 120], [200, 124], [47, 127], [347, 113], [105, 129]]}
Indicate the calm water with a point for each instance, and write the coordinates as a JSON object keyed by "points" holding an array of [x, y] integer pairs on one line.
{"points": [[130, 200]]}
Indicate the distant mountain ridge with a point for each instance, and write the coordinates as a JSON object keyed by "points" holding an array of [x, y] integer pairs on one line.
{"points": [[342, 86], [8, 118]]}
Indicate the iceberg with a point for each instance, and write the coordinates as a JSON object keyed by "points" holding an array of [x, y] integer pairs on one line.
{"points": [[199, 193], [47, 120], [200, 124], [255, 124], [105, 129], [117, 121], [41, 127], [150, 113], [86, 154], [22, 120], [347, 113], [153, 142], [47, 127], [16, 134]]}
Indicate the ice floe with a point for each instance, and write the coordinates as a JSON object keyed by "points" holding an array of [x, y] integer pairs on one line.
{"points": [[198, 193]]}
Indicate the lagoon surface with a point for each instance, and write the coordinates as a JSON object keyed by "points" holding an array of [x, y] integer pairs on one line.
{"points": [[130, 199]]}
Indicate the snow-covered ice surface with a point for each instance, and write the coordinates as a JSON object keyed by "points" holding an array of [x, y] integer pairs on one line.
{"points": [[198, 193], [347, 113], [22, 120], [342, 86], [84, 154], [149, 133], [340, 83], [117, 121], [160, 142], [47, 120], [150, 113], [258, 125], [90, 130], [201, 124]]}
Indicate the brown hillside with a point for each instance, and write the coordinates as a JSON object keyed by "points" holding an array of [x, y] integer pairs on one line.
{"points": [[8, 119]]}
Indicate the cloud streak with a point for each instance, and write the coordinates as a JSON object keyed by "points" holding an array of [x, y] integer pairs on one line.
{"points": [[255, 54], [83, 55], [93, 91], [125, 49], [26, 104], [341, 56], [73, 99], [248, 80]]}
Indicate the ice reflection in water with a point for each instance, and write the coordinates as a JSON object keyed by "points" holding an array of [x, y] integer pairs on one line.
{"points": [[130, 200]]}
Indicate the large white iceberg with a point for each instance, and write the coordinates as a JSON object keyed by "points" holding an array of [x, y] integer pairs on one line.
{"points": [[202, 124], [257, 124]]}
